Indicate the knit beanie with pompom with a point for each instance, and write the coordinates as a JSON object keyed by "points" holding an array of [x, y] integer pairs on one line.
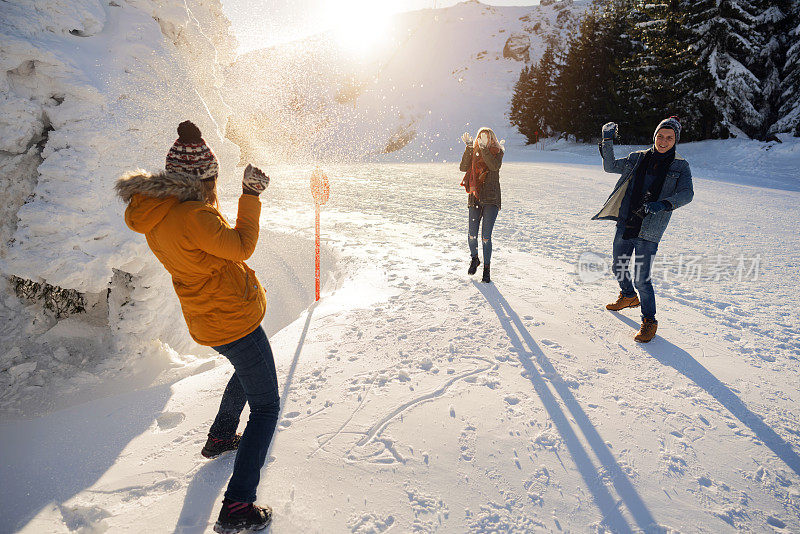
{"points": [[190, 154]]}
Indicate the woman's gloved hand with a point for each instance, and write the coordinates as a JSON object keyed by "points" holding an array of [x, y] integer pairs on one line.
{"points": [[254, 181], [483, 140], [609, 130], [467, 138]]}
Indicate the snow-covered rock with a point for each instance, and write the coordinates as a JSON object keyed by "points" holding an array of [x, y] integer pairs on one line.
{"points": [[88, 90], [517, 47]]}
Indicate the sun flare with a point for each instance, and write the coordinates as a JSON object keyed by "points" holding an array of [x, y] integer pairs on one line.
{"points": [[359, 25]]}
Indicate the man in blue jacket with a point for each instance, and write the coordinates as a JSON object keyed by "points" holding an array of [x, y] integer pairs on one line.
{"points": [[653, 184]]}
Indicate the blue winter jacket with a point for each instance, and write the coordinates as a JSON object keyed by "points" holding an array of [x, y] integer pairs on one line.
{"points": [[677, 190]]}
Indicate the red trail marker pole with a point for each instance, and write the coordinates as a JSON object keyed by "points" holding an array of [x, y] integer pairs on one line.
{"points": [[320, 191], [316, 251]]}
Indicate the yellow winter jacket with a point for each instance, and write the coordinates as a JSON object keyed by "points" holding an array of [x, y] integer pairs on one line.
{"points": [[221, 298]]}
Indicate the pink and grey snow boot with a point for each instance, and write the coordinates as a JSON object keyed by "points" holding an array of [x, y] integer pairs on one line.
{"points": [[238, 516]]}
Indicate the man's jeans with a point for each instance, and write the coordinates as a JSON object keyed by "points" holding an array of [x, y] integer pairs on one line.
{"points": [[255, 382], [642, 253], [489, 214]]}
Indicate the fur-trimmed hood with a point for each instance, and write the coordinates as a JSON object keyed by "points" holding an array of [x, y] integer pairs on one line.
{"points": [[158, 193], [159, 185]]}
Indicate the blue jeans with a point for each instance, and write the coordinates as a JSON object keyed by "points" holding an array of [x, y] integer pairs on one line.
{"points": [[256, 382], [489, 214], [642, 253]]}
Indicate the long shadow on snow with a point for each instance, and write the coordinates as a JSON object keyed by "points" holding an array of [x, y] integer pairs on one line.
{"points": [[529, 354], [683, 362], [52, 458], [209, 479]]}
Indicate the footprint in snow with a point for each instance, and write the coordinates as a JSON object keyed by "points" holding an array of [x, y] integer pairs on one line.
{"points": [[169, 420], [775, 522], [704, 481], [285, 423], [84, 518]]}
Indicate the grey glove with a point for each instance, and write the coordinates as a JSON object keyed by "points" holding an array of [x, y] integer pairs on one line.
{"points": [[609, 130], [254, 181], [467, 138]]}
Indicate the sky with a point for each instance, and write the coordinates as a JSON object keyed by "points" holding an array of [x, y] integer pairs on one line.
{"points": [[262, 23]]}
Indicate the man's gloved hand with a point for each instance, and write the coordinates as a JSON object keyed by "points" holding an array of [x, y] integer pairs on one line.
{"points": [[654, 207], [254, 181], [609, 130], [467, 138]]}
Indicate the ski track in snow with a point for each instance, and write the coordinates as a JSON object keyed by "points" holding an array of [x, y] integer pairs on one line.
{"points": [[418, 400]]}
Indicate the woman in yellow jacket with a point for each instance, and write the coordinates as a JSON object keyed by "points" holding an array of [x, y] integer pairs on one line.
{"points": [[222, 300]]}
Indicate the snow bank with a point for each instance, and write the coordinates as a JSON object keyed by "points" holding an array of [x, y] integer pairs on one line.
{"points": [[88, 90]]}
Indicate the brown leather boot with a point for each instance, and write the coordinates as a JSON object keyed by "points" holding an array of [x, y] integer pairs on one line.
{"points": [[623, 302], [647, 331]]}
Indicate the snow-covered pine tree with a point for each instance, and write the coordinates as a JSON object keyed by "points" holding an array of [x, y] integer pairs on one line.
{"points": [[662, 78], [532, 102], [727, 46], [588, 89], [618, 20], [577, 80], [772, 23], [520, 113], [788, 97], [545, 88]]}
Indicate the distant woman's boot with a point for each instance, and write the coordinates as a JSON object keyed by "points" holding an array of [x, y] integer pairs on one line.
{"points": [[473, 265], [486, 278]]}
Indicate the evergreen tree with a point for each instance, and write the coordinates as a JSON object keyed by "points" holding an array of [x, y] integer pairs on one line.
{"points": [[520, 112], [532, 110], [580, 82], [616, 23], [662, 76], [726, 44], [771, 24], [725, 67], [588, 84], [787, 105], [544, 88]]}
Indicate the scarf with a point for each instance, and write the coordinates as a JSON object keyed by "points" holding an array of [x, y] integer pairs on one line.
{"points": [[476, 175], [654, 163]]}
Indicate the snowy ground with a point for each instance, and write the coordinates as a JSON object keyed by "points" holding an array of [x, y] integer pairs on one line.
{"points": [[418, 400]]}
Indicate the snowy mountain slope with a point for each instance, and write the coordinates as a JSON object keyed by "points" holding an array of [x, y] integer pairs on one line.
{"points": [[415, 400], [431, 75], [90, 89]]}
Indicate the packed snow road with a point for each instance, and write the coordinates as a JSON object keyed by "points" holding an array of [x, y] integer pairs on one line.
{"points": [[416, 399]]}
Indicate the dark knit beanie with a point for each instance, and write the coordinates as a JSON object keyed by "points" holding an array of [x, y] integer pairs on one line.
{"points": [[673, 123], [190, 154]]}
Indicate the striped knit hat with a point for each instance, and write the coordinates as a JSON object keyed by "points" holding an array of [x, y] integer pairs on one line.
{"points": [[191, 155]]}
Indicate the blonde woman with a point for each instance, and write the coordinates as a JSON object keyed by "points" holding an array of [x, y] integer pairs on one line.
{"points": [[481, 163]]}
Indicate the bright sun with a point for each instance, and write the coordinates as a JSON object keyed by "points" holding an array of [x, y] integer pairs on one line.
{"points": [[359, 24]]}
